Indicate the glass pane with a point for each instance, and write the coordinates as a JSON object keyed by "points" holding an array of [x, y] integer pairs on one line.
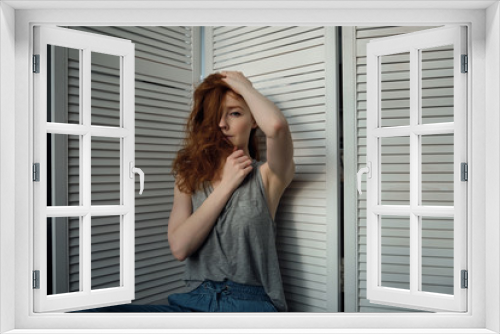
{"points": [[437, 255], [395, 170], [63, 170], [105, 171], [395, 241], [63, 85], [105, 83], [63, 255], [437, 85], [105, 252], [395, 90], [437, 169]]}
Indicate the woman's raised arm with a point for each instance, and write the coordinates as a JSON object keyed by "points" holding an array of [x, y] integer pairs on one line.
{"points": [[271, 121]]}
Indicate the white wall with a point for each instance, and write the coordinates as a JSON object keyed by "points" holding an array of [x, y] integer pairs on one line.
{"points": [[492, 147], [7, 161], [280, 321]]}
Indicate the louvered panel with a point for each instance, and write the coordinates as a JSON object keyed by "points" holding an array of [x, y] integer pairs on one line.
{"points": [[231, 40], [293, 202], [149, 47], [287, 64], [160, 91], [175, 31], [297, 218], [293, 249], [309, 44], [222, 33], [153, 99], [315, 297], [164, 74], [267, 44], [148, 39], [305, 259], [295, 106]]}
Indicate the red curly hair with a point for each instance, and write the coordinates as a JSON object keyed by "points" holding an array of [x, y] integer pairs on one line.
{"points": [[205, 148]]}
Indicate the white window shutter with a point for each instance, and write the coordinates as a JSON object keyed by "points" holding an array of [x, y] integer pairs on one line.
{"points": [[295, 67], [425, 144], [86, 131], [167, 63]]}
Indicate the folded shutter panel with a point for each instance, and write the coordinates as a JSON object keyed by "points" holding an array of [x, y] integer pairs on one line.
{"points": [[437, 249], [295, 68], [164, 75]]}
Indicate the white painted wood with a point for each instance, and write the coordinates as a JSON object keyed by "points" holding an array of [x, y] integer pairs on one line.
{"points": [[295, 67], [86, 297], [414, 297], [7, 167]]}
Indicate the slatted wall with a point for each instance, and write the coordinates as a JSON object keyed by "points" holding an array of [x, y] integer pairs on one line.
{"points": [[165, 70], [289, 66], [437, 169]]}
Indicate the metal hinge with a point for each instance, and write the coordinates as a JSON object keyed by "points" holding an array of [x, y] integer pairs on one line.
{"points": [[36, 63], [465, 64], [464, 172], [465, 279], [36, 172], [36, 279]]}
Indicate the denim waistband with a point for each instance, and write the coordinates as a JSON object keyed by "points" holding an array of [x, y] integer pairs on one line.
{"points": [[236, 289]]}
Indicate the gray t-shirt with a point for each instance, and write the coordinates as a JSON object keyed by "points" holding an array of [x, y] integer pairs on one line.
{"points": [[242, 244]]}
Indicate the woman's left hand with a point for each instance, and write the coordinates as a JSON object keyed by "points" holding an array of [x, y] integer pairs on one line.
{"points": [[237, 81]]}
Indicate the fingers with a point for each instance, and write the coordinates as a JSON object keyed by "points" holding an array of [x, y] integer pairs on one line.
{"points": [[247, 170], [239, 158], [237, 153]]}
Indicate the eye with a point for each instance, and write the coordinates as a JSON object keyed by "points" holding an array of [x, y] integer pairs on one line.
{"points": [[235, 113]]}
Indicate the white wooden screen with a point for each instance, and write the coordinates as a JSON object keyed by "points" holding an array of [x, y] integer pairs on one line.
{"points": [[167, 63], [416, 212], [88, 206], [295, 68]]}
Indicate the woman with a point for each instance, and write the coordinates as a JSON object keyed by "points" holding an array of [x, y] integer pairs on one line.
{"points": [[225, 201], [222, 220]]}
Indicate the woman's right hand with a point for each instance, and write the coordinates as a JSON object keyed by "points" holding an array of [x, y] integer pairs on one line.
{"points": [[237, 167]]}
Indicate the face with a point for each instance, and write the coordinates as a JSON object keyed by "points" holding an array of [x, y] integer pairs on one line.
{"points": [[237, 121]]}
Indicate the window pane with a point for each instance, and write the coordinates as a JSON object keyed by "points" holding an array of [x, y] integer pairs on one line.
{"points": [[437, 84], [395, 90], [395, 170], [63, 255], [437, 255], [105, 252], [105, 83], [395, 241], [105, 171], [63, 85], [437, 170], [63, 170]]}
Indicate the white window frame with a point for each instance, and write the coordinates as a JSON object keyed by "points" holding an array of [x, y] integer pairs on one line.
{"points": [[412, 43], [86, 43], [482, 316]]}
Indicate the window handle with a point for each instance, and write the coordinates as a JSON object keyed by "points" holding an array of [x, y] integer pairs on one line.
{"points": [[135, 170], [368, 171]]}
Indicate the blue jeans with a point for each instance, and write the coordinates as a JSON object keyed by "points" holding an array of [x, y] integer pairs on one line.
{"points": [[209, 296]]}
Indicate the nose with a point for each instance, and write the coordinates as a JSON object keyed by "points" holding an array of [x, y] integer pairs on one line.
{"points": [[223, 123]]}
